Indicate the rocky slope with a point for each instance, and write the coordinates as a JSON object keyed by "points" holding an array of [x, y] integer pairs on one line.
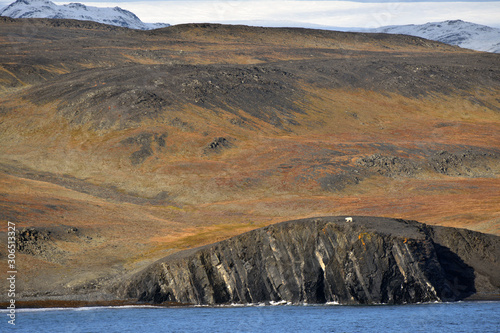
{"points": [[367, 261]]}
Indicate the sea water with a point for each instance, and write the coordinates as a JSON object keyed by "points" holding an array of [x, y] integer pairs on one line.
{"points": [[437, 317]]}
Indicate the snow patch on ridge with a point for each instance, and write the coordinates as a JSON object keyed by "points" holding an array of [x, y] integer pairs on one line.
{"points": [[47, 9], [454, 32]]}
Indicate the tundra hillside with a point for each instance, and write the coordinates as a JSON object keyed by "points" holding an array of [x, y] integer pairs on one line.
{"points": [[120, 147]]}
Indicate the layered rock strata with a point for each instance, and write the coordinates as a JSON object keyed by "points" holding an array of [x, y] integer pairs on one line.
{"points": [[367, 261]]}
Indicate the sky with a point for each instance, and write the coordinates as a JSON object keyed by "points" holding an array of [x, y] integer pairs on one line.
{"points": [[306, 13]]}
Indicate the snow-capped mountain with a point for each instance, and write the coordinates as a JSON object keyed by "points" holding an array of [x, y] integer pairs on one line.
{"points": [[77, 11], [457, 32], [464, 34]]}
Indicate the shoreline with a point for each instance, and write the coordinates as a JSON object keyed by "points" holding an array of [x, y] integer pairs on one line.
{"points": [[48, 304], [51, 304]]}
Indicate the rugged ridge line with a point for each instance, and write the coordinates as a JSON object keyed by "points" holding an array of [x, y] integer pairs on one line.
{"points": [[368, 261]]}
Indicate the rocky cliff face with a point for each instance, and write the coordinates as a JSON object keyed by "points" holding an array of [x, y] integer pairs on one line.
{"points": [[367, 261]]}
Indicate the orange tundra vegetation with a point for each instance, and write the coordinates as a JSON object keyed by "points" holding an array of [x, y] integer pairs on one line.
{"points": [[120, 147]]}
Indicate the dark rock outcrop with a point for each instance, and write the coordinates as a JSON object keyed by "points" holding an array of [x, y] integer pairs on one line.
{"points": [[367, 261], [32, 241], [472, 162], [217, 145], [144, 141], [38, 242]]}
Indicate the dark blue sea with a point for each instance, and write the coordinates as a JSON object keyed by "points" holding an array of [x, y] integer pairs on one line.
{"points": [[437, 317]]}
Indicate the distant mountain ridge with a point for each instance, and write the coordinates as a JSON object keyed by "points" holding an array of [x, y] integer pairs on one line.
{"points": [[454, 32], [47, 9]]}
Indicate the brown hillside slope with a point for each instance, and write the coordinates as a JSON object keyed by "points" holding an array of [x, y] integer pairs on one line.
{"points": [[120, 146]]}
